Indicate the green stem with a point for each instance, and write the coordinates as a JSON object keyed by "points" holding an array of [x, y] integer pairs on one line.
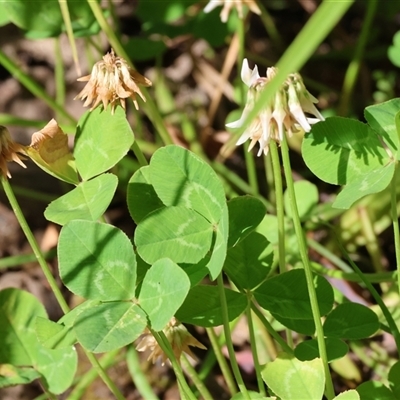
{"points": [[330, 394], [138, 377], [378, 277], [33, 243], [32, 86], [139, 154], [150, 106], [250, 168], [167, 349], [285, 347], [395, 221], [103, 375], [59, 73], [228, 338], [109, 359], [354, 66], [191, 372], [280, 213], [253, 345], [70, 33], [226, 372]]}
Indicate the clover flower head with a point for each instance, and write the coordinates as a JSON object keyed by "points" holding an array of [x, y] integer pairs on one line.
{"points": [[177, 335], [111, 82], [8, 152], [286, 112], [228, 4]]}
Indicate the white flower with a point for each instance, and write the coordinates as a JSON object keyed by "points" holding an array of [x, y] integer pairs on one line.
{"points": [[285, 112], [227, 6]]}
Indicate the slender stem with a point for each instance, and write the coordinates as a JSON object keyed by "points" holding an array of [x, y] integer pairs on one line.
{"points": [[280, 213], [250, 168], [103, 375], [354, 66], [167, 349], [228, 338], [395, 221], [109, 359], [139, 154], [150, 106], [329, 392], [33, 243], [32, 86], [226, 372], [285, 347], [253, 345], [138, 377], [191, 372], [70, 33]]}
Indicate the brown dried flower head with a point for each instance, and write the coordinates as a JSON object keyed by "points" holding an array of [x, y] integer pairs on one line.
{"points": [[111, 82], [8, 151], [177, 335], [227, 5]]}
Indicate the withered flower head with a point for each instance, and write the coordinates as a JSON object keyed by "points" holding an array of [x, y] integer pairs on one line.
{"points": [[177, 335], [285, 112], [111, 82], [228, 4], [8, 151]]}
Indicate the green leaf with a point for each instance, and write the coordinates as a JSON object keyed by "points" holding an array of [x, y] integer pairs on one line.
{"points": [[102, 139], [306, 196], [381, 118], [43, 18], [245, 213], [12, 376], [202, 306], [372, 182], [18, 312], [304, 326], [39, 16], [351, 321], [17, 326], [249, 262], [177, 233], [339, 150], [89, 200], [50, 362], [394, 51], [291, 379], [163, 291], [394, 379], [373, 390], [141, 49], [287, 295], [181, 178], [109, 326], [348, 395], [53, 335], [96, 261], [142, 199], [218, 251], [308, 350]]}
